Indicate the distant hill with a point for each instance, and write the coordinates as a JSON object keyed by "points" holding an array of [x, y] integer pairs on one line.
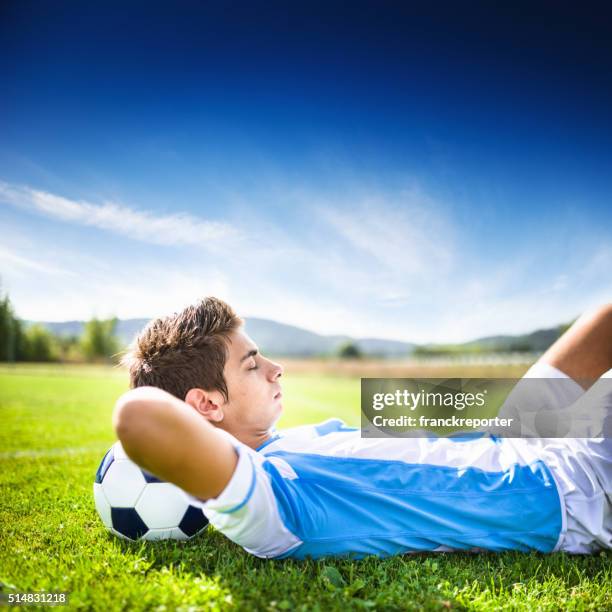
{"points": [[281, 339], [538, 340], [126, 328], [287, 340], [273, 338], [534, 342]]}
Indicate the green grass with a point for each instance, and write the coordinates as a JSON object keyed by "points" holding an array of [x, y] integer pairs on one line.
{"points": [[55, 427]]}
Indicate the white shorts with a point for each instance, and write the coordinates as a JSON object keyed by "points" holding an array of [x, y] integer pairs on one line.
{"points": [[582, 467]]}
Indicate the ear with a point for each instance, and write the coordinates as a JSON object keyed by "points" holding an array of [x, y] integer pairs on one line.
{"points": [[207, 403]]}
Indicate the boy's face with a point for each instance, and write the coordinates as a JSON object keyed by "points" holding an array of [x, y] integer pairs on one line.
{"points": [[254, 392]]}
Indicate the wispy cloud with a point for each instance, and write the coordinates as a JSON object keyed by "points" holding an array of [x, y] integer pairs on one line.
{"points": [[169, 230], [386, 264], [407, 233], [14, 260]]}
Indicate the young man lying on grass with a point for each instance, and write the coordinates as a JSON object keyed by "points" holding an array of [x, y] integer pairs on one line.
{"points": [[201, 415]]}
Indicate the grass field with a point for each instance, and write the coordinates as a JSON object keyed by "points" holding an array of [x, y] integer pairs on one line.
{"points": [[55, 428]]}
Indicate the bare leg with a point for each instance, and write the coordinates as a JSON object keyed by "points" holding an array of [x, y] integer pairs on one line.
{"points": [[584, 352]]}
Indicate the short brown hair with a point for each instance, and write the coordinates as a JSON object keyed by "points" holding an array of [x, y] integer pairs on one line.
{"points": [[185, 350]]}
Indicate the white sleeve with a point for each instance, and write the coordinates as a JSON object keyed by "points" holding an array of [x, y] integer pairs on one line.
{"points": [[246, 511]]}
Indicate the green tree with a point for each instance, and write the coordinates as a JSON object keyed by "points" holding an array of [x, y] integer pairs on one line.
{"points": [[69, 348], [40, 344], [11, 332], [349, 350], [21, 340], [98, 340], [18, 344]]}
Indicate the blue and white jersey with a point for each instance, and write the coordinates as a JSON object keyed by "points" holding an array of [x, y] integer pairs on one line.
{"points": [[322, 490]]}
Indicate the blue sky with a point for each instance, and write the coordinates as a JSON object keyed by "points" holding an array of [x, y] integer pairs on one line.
{"points": [[376, 170]]}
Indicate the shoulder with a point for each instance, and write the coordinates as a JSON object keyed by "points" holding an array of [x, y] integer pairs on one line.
{"points": [[315, 430], [304, 434]]}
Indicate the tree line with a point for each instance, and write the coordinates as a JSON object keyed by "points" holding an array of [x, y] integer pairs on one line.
{"points": [[21, 342]]}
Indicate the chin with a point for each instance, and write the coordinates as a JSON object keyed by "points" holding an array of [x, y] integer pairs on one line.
{"points": [[278, 410]]}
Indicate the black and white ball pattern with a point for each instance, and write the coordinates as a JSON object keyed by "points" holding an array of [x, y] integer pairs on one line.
{"points": [[133, 504]]}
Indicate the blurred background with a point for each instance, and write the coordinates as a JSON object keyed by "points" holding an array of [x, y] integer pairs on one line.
{"points": [[373, 182]]}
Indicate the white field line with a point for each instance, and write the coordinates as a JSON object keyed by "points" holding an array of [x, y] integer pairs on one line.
{"points": [[52, 452]]}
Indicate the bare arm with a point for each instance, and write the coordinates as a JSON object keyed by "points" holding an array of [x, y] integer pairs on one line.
{"points": [[584, 352], [166, 437]]}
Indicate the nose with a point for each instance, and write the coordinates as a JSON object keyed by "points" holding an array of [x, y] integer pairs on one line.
{"points": [[276, 370]]}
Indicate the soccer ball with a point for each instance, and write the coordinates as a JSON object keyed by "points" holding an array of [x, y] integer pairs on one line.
{"points": [[135, 505]]}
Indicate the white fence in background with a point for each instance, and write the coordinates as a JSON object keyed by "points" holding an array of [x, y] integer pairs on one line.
{"points": [[511, 358]]}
